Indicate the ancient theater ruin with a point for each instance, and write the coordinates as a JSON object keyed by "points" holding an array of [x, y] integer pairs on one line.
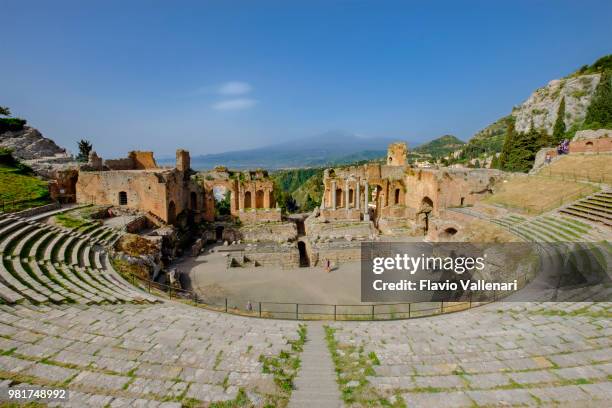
{"points": [[397, 198], [367, 202], [138, 183]]}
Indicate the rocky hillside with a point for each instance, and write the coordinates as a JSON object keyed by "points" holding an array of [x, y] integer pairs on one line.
{"points": [[28, 144], [541, 107]]}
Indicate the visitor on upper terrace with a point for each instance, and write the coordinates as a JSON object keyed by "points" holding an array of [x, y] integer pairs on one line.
{"points": [[563, 147]]}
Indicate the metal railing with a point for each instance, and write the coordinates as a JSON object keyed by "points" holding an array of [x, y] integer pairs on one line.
{"points": [[323, 311]]}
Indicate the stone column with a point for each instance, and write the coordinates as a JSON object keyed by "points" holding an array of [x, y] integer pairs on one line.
{"points": [[346, 194], [240, 198], [333, 194], [266, 199], [357, 192], [366, 208]]}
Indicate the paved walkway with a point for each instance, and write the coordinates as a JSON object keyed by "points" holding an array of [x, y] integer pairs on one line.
{"points": [[315, 385]]}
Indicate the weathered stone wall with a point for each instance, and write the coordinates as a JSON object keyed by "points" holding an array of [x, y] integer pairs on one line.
{"points": [[142, 160], [260, 215], [321, 231], [63, 185], [350, 214], [336, 253], [396, 154], [285, 258], [126, 163], [592, 141], [145, 190]]}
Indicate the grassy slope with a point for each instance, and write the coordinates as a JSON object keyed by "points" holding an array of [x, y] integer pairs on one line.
{"points": [[592, 167], [538, 194], [21, 187]]}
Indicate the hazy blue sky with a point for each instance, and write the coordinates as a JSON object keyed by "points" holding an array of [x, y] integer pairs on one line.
{"points": [[224, 75]]}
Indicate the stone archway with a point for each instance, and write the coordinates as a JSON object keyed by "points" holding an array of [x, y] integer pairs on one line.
{"points": [[193, 201], [339, 198], [171, 212], [448, 233], [247, 200], [259, 199], [425, 213], [398, 196]]}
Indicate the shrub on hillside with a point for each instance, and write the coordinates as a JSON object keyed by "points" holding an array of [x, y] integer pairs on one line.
{"points": [[7, 160], [11, 124]]}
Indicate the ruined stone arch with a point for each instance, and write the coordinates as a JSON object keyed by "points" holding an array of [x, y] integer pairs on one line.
{"points": [[425, 212], [247, 200], [426, 205], [271, 198], [339, 198], [171, 212], [397, 196], [193, 201], [448, 232], [259, 199]]}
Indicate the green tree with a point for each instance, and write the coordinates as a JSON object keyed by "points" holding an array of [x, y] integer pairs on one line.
{"points": [[5, 111], [495, 162], [223, 207], [599, 113], [85, 148], [509, 141], [524, 148], [559, 128]]}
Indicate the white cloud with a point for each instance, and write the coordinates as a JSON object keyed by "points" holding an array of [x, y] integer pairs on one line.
{"points": [[234, 104], [234, 88]]}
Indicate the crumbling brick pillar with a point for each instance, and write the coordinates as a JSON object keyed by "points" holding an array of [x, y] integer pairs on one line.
{"points": [[346, 194], [240, 198], [266, 199], [333, 195], [366, 208]]}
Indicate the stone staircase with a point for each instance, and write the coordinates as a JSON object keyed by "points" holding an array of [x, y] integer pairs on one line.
{"points": [[597, 208], [41, 263]]}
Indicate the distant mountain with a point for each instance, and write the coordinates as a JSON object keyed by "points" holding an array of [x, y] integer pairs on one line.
{"points": [[330, 148], [441, 146]]}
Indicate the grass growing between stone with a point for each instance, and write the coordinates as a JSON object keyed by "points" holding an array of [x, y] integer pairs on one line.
{"points": [[284, 368], [353, 366]]}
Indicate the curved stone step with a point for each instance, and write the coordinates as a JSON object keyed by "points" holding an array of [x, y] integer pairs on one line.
{"points": [[55, 275], [55, 287], [50, 248], [6, 229], [591, 207], [551, 229], [11, 238], [9, 295], [586, 216], [7, 277], [40, 245], [77, 280], [104, 290], [31, 238], [26, 279]]}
